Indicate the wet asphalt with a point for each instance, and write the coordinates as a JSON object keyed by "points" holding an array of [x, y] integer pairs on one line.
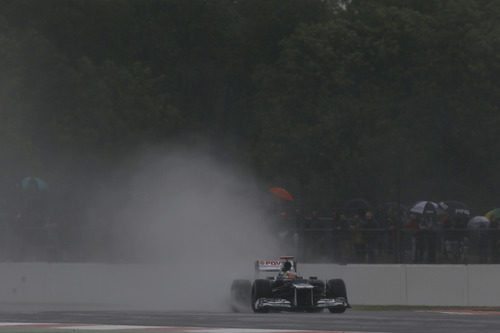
{"points": [[350, 321]]}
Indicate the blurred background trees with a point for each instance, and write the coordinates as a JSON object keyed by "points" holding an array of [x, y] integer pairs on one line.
{"points": [[329, 99]]}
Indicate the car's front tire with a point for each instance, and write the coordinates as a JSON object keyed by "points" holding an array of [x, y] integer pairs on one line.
{"points": [[261, 289], [335, 288], [337, 310]]}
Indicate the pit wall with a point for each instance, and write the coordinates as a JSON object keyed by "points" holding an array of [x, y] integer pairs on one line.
{"points": [[100, 284]]}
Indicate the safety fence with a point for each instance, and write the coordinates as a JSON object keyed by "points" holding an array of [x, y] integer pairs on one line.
{"points": [[50, 243], [309, 244], [458, 246]]}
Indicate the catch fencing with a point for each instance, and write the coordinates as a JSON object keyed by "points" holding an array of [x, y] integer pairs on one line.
{"points": [[309, 243], [459, 246], [329, 240]]}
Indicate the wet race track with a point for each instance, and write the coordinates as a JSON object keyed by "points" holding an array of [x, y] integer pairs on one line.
{"points": [[43, 321]]}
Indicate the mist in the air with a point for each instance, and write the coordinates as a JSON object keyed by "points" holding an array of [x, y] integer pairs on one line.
{"points": [[193, 220]]}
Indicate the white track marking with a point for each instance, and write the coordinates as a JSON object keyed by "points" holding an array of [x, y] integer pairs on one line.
{"points": [[252, 330], [24, 324], [243, 330], [90, 327], [112, 327], [200, 330], [455, 313], [464, 312]]}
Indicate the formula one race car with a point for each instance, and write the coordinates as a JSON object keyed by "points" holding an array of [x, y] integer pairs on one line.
{"points": [[287, 291]]}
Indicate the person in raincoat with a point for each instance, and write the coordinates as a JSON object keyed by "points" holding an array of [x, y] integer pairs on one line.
{"points": [[493, 239], [371, 235], [416, 239], [358, 240], [428, 227], [340, 227]]}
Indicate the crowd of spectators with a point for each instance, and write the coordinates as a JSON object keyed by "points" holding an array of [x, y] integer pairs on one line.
{"points": [[393, 235], [28, 230], [35, 225], [360, 233]]}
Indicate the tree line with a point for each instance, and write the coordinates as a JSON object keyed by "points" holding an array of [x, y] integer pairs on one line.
{"points": [[332, 100]]}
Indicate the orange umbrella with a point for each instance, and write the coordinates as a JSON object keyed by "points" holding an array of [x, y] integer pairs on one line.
{"points": [[281, 192]]}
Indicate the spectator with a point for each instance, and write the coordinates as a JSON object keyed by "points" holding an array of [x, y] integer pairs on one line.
{"points": [[299, 234], [450, 239], [463, 237], [428, 227], [371, 231], [315, 221], [52, 246], [493, 239], [392, 235], [339, 228], [386, 235], [483, 240], [415, 239], [358, 240], [319, 236], [299, 221]]}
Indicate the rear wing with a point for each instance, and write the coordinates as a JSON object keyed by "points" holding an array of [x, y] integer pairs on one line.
{"points": [[274, 265]]}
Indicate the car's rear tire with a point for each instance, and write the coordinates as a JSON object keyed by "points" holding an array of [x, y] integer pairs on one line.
{"points": [[335, 288], [240, 295], [261, 289]]}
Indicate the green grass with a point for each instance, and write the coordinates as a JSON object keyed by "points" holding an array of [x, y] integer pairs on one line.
{"points": [[420, 308]]}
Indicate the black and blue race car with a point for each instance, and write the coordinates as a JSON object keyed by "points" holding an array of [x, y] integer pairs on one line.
{"points": [[287, 291]]}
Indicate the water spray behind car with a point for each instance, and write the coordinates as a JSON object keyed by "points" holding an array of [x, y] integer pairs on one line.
{"points": [[190, 213]]}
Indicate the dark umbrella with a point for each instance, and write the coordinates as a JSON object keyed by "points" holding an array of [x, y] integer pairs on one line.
{"points": [[455, 208], [359, 206], [394, 206]]}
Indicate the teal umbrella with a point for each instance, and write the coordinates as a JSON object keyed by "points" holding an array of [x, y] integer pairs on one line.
{"points": [[33, 183]]}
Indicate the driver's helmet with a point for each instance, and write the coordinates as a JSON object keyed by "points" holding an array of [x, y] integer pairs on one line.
{"points": [[286, 266]]}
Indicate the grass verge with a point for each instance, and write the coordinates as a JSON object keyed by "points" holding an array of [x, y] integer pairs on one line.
{"points": [[420, 308]]}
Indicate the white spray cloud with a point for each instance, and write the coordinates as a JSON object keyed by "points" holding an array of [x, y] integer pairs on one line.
{"points": [[199, 219]]}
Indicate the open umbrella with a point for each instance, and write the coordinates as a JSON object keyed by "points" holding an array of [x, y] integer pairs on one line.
{"points": [[33, 183], [426, 208], [355, 204], [281, 192], [478, 222], [455, 208], [493, 213]]}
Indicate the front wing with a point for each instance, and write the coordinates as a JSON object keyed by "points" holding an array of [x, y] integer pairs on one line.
{"points": [[284, 304]]}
